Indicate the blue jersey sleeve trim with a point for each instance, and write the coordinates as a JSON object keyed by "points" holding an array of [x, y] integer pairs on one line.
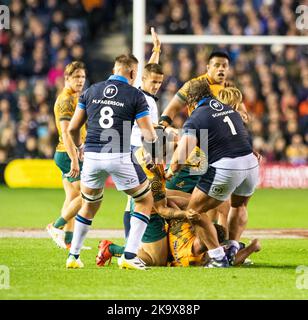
{"points": [[142, 114], [81, 105], [118, 78]]}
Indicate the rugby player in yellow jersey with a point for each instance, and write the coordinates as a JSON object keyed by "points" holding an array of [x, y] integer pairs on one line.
{"points": [[216, 76], [67, 157], [176, 241]]}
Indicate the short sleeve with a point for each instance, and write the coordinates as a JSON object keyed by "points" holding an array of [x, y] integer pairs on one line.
{"points": [[82, 101], [66, 108], [142, 107], [182, 93]]}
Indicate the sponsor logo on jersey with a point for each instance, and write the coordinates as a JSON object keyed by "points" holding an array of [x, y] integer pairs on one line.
{"points": [[180, 184], [216, 105], [110, 91]]}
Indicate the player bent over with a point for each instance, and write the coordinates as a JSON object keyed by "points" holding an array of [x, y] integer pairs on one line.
{"points": [[169, 237], [233, 169], [110, 108], [66, 156]]}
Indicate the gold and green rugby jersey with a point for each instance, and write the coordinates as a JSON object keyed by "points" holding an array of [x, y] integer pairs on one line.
{"points": [[64, 109]]}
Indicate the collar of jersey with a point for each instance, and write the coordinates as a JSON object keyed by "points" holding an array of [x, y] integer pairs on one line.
{"points": [[118, 78], [201, 102], [149, 94]]}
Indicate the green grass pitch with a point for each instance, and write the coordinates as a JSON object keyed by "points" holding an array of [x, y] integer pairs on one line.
{"points": [[37, 266], [37, 271], [35, 208]]}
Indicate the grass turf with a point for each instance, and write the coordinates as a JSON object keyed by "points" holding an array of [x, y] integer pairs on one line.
{"points": [[37, 271], [35, 208]]}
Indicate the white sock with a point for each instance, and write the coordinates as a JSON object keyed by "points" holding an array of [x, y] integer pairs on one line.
{"points": [[234, 243], [81, 228], [138, 224], [217, 253]]}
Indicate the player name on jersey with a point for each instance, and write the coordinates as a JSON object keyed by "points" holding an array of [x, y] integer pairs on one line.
{"points": [[112, 106], [219, 129]]}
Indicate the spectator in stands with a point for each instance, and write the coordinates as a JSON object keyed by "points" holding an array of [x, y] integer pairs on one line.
{"points": [[297, 151]]}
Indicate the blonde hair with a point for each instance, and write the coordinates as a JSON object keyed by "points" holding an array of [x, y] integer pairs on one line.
{"points": [[231, 96], [72, 67]]}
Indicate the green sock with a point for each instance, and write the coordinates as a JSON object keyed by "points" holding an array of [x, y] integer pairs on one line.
{"points": [[60, 223], [116, 250], [68, 237]]}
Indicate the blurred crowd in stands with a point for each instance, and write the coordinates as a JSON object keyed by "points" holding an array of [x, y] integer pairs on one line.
{"points": [[273, 79], [46, 35], [43, 37]]}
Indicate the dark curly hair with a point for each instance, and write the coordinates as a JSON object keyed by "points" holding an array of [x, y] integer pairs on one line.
{"points": [[197, 89]]}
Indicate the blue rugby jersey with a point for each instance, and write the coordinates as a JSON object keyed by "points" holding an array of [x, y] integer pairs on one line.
{"points": [[226, 135], [111, 106]]}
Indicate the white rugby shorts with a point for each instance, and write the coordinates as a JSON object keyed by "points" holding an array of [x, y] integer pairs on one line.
{"points": [[238, 176], [124, 172]]}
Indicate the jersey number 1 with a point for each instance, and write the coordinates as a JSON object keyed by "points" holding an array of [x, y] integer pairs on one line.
{"points": [[106, 120], [230, 123]]}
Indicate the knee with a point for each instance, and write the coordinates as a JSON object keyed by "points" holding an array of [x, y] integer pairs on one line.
{"points": [[239, 202]]}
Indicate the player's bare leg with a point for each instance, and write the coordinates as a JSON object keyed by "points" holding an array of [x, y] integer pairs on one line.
{"points": [[238, 216], [223, 212], [243, 254], [69, 212], [202, 203], [139, 220], [59, 231], [237, 221], [91, 200]]}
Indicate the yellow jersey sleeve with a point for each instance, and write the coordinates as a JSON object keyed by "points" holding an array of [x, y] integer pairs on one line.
{"points": [[65, 107]]}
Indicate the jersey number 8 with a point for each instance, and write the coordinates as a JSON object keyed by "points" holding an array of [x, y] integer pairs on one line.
{"points": [[106, 120]]}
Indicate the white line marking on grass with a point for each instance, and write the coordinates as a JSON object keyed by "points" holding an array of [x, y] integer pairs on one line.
{"points": [[295, 233]]}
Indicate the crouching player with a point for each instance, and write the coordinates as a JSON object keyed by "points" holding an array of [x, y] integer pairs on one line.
{"points": [[176, 241], [233, 169]]}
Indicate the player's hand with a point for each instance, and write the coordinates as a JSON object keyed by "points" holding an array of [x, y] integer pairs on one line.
{"points": [[258, 155], [192, 215], [172, 134], [75, 170], [169, 174], [155, 39]]}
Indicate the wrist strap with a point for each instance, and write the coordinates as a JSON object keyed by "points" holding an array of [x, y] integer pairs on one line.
{"points": [[156, 50], [166, 119]]}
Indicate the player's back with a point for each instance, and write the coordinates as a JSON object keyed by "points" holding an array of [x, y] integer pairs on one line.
{"points": [[111, 108], [219, 129]]}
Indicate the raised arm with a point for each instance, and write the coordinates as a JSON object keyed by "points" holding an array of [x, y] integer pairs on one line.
{"points": [[156, 47]]}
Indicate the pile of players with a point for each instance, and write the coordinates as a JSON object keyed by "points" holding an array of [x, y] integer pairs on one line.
{"points": [[187, 209]]}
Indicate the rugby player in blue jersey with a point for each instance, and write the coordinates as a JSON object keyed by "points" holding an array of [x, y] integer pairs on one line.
{"points": [[219, 131], [110, 108]]}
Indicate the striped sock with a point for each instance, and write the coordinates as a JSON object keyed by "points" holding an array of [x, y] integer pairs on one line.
{"points": [[82, 226], [138, 224]]}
